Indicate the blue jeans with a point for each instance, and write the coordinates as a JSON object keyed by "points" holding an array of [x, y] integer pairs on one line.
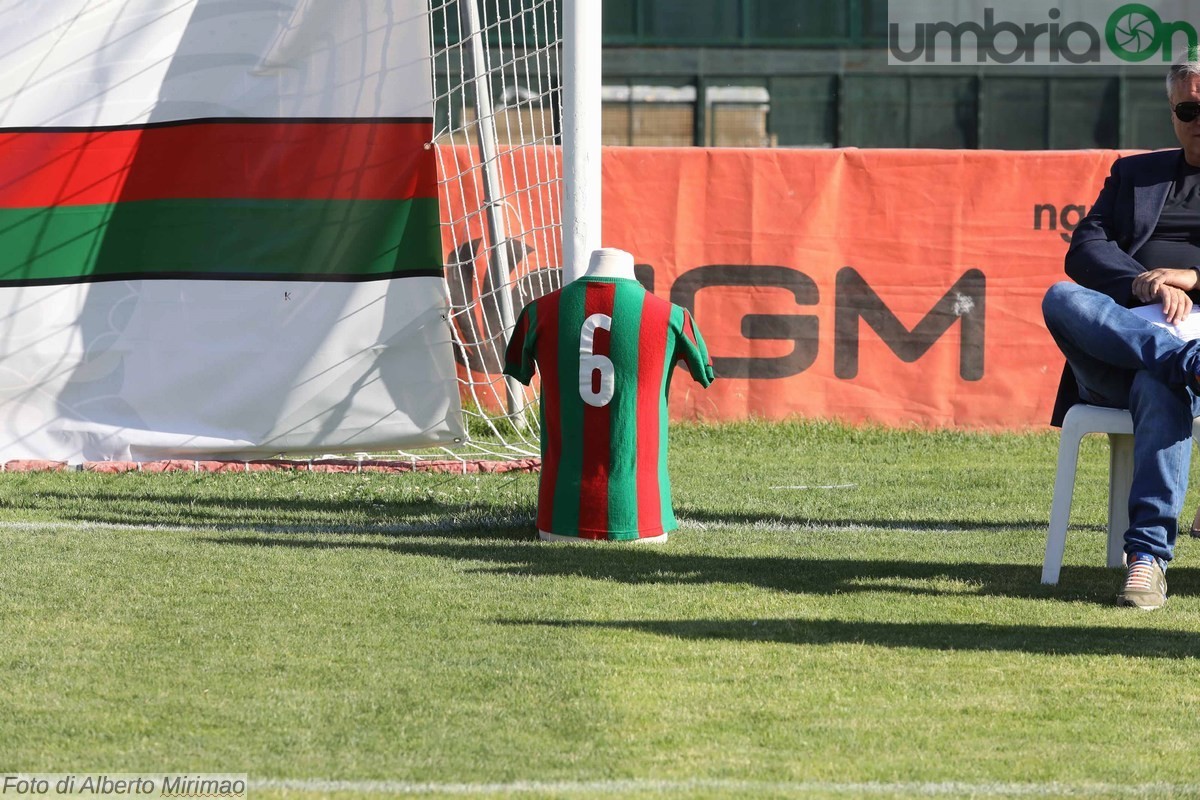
{"points": [[1122, 361]]}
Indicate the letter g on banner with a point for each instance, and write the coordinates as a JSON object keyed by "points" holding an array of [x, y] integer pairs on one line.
{"points": [[800, 329]]}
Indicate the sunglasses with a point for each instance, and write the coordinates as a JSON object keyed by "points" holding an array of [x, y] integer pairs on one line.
{"points": [[1187, 112]]}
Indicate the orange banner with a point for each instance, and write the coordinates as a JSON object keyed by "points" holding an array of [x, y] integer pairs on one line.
{"points": [[892, 286]]}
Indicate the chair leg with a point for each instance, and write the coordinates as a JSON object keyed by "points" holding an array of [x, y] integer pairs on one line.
{"points": [[1060, 509], [1120, 479]]}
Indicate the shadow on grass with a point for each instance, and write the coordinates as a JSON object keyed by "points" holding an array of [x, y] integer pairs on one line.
{"points": [[1145, 642], [287, 514], [298, 514], [816, 574]]}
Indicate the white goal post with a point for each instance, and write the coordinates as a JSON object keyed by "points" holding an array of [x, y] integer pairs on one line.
{"points": [[517, 131]]}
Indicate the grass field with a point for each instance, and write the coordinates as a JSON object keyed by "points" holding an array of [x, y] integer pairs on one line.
{"points": [[844, 612]]}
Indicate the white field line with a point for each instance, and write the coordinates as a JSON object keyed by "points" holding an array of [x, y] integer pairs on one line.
{"points": [[828, 486], [448, 526], [792, 788], [791, 526]]}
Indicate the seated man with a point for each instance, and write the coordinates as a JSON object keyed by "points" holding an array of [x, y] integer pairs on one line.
{"points": [[1140, 244]]}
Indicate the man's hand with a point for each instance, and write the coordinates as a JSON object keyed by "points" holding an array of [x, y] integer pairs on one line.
{"points": [[1148, 286], [1176, 305]]}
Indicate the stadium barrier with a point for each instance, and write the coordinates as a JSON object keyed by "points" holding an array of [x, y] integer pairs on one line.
{"points": [[900, 287]]}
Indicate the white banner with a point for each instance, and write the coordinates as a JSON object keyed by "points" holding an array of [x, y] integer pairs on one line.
{"points": [[218, 231]]}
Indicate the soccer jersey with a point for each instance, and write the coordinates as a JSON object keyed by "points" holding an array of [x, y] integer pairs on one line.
{"points": [[605, 349]]}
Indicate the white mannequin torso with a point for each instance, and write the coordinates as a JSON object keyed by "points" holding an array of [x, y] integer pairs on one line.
{"points": [[609, 262]]}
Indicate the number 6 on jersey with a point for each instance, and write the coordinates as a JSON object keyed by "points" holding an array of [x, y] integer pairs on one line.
{"points": [[590, 363]]}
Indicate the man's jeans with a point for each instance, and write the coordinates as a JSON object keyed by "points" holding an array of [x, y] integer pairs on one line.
{"points": [[1122, 361]]}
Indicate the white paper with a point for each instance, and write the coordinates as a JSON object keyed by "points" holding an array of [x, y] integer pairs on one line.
{"points": [[1186, 330]]}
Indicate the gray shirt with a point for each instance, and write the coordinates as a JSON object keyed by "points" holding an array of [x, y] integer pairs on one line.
{"points": [[1175, 242]]}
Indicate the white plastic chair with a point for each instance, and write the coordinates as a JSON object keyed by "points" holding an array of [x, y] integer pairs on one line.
{"points": [[1083, 419]]}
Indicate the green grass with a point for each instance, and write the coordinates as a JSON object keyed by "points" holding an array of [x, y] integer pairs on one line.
{"points": [[888, 637]]}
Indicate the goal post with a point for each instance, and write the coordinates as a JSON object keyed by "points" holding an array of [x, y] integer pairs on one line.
{"points": [[581, 134], [517, 133]]}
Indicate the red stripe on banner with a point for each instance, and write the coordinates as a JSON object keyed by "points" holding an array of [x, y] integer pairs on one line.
{"points": [[656, 322], [256, 160], [546, 356], [593, 490]]}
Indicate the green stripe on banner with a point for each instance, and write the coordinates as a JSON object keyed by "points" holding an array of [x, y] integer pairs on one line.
{"points": [[347, 240], [623, 443]]}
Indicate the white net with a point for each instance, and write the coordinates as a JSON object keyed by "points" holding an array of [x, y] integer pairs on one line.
{"points": [[496, 66]]}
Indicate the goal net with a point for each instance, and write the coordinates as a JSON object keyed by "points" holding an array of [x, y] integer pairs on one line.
{"points": [[496, 73]]}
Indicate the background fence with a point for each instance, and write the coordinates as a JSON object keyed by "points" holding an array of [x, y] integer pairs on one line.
{"points": [[776, 73]]}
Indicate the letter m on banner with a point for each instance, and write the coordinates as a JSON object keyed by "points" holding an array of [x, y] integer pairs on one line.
{"points": [[963, 302], [219, 230]]}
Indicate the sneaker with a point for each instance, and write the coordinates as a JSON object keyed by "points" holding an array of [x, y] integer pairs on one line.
{"points": [[1145, 583]]}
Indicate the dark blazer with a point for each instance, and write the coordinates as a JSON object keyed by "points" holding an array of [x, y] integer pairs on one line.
{"points": [[1120, 222]]}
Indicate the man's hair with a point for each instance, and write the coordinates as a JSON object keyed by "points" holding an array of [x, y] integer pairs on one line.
{"points": [[1181, 72]]}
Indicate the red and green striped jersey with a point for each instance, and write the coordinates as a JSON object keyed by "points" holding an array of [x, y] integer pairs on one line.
{"points": [[605, 349]]}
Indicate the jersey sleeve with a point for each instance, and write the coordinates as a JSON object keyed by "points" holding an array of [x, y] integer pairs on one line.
{"points": [[690, 349], [518, 356]]}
